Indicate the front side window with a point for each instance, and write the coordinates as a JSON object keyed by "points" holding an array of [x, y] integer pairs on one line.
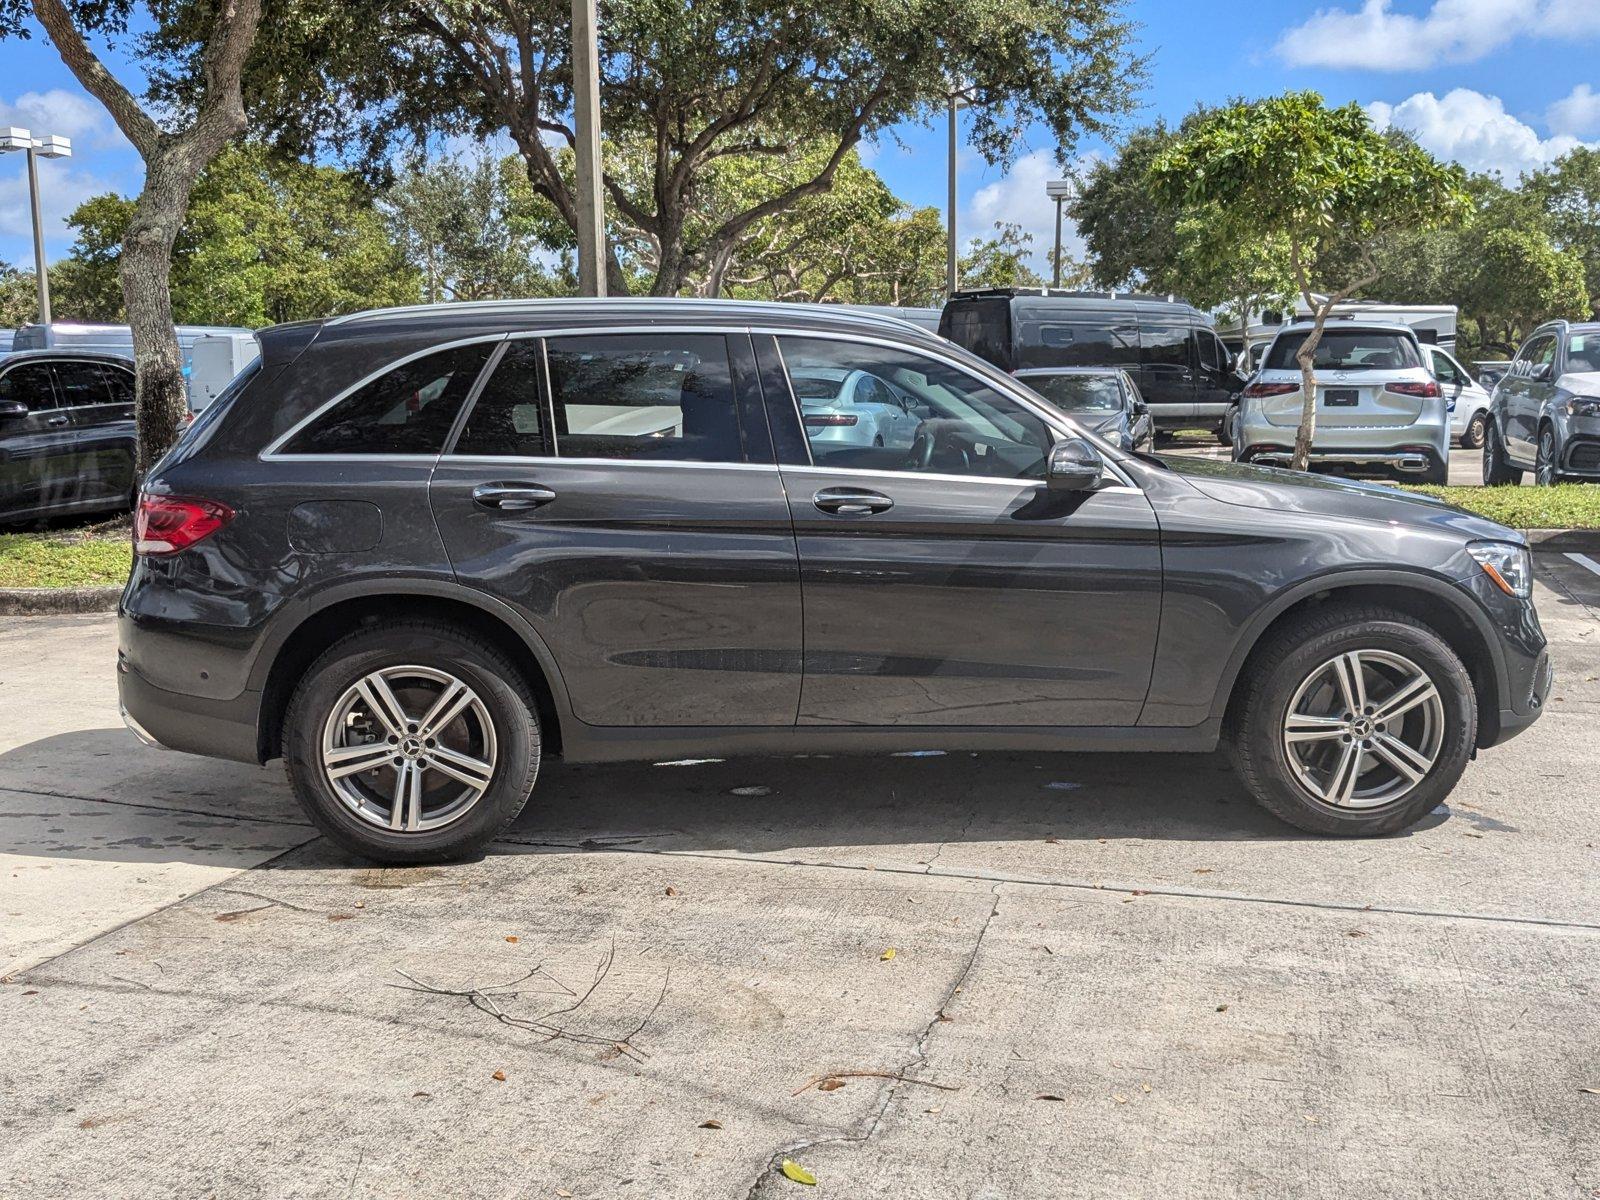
{"points": [[655, 396], [119, 384], [1445, 369], [1075, 344], [408, 410], [1537, 354], [1346, 350], [29, 383], [508, 416], [81, 384], [962, 427]]}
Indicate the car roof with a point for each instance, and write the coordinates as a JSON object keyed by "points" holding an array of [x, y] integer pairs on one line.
{"points": [[1338, 324], [106, 356], [1068, 371]]}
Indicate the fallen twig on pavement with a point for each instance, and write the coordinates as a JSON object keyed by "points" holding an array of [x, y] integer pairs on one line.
{"points": [[894, 1075]]}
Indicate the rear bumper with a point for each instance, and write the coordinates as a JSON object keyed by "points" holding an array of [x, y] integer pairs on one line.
{"points": [[192, 724], [1407, 461]]}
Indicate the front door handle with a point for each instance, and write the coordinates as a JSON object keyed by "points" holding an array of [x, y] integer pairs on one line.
{"points": [[58, 420], [512, 497], [851, 502]]}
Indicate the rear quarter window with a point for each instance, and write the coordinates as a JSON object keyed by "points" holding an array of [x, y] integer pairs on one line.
{"points": [[981, 326]]}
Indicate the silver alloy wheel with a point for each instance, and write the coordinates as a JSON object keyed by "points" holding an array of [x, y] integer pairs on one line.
{"points": [[1544, 463], [409, 749], [1364, 729]]}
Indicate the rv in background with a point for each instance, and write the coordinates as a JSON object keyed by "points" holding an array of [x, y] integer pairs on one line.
{"points": [[202, 375], [6, 336], [1434, 324]]}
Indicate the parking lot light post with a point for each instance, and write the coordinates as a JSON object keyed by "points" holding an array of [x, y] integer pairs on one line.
{"points": [[950, 209], [1059, 190], [586, 122], [49, 146]]}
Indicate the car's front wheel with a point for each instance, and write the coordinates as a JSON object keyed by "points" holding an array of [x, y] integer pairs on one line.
{"points": [[1353, 720], [412, 741], [1545, 471]]}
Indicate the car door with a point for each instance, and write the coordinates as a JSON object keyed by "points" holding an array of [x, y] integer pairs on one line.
{"points": [[657, 564], [946, 586], [1166, 370], [38, 449], [99, 398], [1526, 387], [1138, 413], [1216, 383]]}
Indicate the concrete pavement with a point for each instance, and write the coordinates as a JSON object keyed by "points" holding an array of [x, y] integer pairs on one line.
{"points": [[203, 999]]}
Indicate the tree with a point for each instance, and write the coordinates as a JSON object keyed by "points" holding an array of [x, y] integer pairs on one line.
{"points": [[693, 84], [266, 240], [173, 158], [19, 297], [1520, 280], [474, 230], [1129, 233], [999, 261], [1569, 194], [1321, 179]]}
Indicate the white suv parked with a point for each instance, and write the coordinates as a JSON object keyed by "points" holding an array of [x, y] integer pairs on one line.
{"points": [[1379, 408], [1466, 399]]}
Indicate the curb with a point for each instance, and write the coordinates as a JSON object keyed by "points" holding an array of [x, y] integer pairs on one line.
{"points": [[29, 602], [1586, 541]]}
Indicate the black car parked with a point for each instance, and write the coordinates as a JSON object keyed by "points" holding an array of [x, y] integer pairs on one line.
{"points": [[415, 551], [66, 433], [1175, 357], [1104, 401], [1545, 414]]}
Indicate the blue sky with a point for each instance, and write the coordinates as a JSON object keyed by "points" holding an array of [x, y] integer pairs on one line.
{"points": [[1495, 84]]}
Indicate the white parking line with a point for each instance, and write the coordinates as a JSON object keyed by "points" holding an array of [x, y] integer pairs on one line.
{"points": [[1583, 560]]}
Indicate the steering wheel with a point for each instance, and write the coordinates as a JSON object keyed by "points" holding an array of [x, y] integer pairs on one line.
{"points": [[922, 449]]}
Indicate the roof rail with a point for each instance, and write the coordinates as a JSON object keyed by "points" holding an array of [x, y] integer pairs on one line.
{"points": [[1064, 294]]}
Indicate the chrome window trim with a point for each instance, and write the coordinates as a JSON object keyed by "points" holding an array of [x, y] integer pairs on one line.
{"points": [[274, 451], [1059, 422], [550, 460]]}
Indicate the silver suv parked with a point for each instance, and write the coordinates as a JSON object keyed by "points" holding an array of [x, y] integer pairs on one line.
{"points": [[1379, 408]]}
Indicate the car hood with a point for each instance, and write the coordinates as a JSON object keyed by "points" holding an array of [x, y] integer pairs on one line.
{"points": [[1102, 424], [1277, 490], [1584, 383]]}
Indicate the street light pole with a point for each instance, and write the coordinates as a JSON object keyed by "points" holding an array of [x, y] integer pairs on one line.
{"points": [[586, 113], [950, 280], [1059, 190], [49, 146]]}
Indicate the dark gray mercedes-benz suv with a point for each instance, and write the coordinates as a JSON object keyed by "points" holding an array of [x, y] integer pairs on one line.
{"points": [[413, 551]]}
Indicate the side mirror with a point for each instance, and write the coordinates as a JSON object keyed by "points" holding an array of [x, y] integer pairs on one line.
{"points": [[1074, 465], [12, 410]]}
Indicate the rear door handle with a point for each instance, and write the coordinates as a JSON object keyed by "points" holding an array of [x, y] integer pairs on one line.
{"points": [[512, 497], [851, 502]]}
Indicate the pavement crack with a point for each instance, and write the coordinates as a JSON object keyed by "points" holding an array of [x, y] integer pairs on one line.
{"points": [[905, 1074]]}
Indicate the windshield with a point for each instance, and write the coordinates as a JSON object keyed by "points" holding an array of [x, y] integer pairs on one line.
{"points": [[1347, 350], [1078, 393], [1583, 352]]}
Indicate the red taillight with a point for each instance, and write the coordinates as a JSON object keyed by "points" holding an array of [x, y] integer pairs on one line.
{"points": [[831, 419], [168, 524], [1257, 390], [1429, 390]]}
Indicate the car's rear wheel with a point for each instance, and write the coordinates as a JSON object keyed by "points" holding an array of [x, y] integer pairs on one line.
{"points": [[412, 741], [1472, 435], [1497, 468], [1545, 471], [1353, 720], [1437, 471]]}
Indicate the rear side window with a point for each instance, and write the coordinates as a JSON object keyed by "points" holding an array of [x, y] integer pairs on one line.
{"points": [[1074, 344], [1347, 350], [81, 384], [508, 416], [1164, 345], [981, 326], [119, 384], [657, 396], [407, 410]]}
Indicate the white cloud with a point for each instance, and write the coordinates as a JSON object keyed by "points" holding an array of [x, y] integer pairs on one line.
{"points": [[1576, 114], [66, 114], [1376, 38], [61, 189], [1018, 198], [1474, 130]]}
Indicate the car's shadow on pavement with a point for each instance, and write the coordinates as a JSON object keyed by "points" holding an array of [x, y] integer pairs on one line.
{"points": [[98, 794]]}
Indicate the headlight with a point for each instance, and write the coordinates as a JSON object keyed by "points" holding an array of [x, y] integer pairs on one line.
{"points": [[1584, 406], [1511, 567]]}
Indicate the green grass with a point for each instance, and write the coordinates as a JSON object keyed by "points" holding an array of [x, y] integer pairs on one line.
{"points": [[1567, 506], [95, 556]]}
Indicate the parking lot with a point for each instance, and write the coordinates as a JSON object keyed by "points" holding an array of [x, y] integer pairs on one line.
{"points": [[1110, 976]]}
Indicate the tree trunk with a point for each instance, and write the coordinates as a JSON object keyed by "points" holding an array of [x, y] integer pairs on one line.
{"points": [[1306, 356], [161, 402]]}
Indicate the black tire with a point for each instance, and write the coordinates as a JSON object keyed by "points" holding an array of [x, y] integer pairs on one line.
{"points": [[428, 644], [1497, 469], [1438, 471], [1545, 471], [1293, 655], [1472, 435], [1225, 430]]}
